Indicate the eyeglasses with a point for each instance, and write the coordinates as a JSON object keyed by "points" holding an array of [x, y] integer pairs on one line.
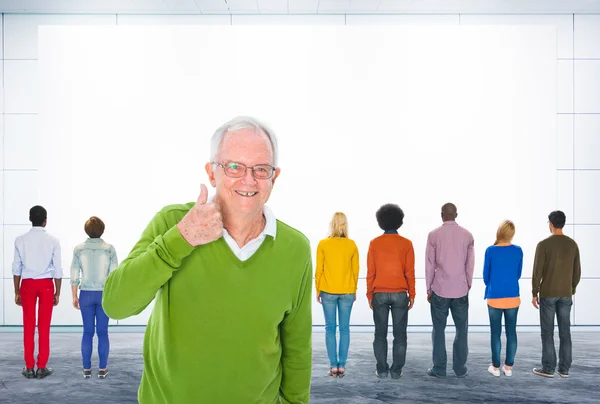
{"points": [[238, 170]]}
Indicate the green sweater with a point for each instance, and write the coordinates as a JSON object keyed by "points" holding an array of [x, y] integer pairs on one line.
{"points": [[556, 267], [222, 331]]}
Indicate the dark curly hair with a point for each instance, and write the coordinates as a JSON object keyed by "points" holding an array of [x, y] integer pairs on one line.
{"points": [[390, 217]]}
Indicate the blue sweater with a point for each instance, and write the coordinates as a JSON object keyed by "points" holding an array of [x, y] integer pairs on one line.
{"points": [[502, 270]]}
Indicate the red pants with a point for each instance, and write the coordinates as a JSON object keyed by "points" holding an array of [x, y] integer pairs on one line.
{"points": [[37, 292]]}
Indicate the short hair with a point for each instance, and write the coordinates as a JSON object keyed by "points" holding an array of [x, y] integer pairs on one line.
{"points": [[558, 219], [94, 227], [449, 211], [339, 225], [237, 124], [37, 215], [390, 217], [505, 233]]}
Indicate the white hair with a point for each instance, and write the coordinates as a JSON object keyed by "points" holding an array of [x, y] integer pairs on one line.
{"points": [[237, 124]]}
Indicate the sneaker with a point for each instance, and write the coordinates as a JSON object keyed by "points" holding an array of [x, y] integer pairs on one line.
{"points": [[382, 375], [542, 372], [87, 373], [462, 376], [563, 373], [433, 373], [507, 372], [28, 373], [41, 373], [494, 371], [102, 374]]}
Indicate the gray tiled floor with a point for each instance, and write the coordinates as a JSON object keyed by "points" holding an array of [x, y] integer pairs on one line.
{"points": [[359, 386]]}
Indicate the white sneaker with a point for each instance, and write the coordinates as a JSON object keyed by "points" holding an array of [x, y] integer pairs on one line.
{"points": [[494, 371], [507, 372]]}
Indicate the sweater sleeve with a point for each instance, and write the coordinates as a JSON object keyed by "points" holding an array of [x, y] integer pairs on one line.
{"points": [[371, 272], [520, 268], [296, 343], [487, 267], [576, 270], [131, 287], [538, 268], [320, 267], [355, 266], [409, 271]]}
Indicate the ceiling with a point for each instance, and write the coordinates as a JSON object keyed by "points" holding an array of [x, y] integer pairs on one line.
{"points": [[301, 6]]}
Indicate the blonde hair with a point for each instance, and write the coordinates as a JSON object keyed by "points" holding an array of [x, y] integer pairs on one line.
{"points": [[505, 233], [339, 225]]}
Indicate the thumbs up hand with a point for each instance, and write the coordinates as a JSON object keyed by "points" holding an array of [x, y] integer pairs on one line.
{"points": [[203, 223]]}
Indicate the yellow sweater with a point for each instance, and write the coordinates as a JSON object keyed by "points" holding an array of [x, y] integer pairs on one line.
{"points": [[337, 266]]}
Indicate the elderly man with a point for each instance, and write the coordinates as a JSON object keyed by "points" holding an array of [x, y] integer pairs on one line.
{"points": [[232, 318]]}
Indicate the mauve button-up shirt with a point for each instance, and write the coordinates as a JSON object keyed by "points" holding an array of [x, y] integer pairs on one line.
{"points": [[450, 261]]}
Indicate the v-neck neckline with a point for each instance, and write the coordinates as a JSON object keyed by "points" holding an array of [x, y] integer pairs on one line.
{"points": [[235, 259]]}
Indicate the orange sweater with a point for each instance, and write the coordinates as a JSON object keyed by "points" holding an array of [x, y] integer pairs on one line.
{"points": [[337, 266], [390, 266]]}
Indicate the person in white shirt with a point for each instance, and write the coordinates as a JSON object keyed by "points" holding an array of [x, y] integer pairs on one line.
{"points": [[37, 275]]}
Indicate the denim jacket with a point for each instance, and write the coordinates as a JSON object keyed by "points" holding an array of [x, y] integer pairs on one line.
{"points": [[93, 260]]}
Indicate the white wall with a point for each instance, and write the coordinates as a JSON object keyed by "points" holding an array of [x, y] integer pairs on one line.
{"points": [[578, 122]]}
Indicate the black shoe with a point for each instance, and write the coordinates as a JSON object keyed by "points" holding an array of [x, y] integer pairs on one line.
{"points": [[28, 373], [41, 373], [102, 374], [564, 374], [382, 375], [87, 373], [543, 372], [397, 375]]}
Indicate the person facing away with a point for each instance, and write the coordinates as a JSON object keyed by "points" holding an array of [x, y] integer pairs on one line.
{"points": [[336, 279], [232, 319], [449, 266], [92, 261], [37, 273], [502, 268], [556, 274], [390, 287]]}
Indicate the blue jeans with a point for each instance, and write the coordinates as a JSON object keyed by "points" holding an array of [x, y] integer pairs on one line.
{"points": [[341, 304], [94, 321], [559, 307], [459, 307], [510, 324], [383, 303]]}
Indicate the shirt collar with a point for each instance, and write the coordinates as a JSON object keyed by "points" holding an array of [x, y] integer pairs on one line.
{"points": [[449, 222], [94, 240], [37, 228], [270, 219]]}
